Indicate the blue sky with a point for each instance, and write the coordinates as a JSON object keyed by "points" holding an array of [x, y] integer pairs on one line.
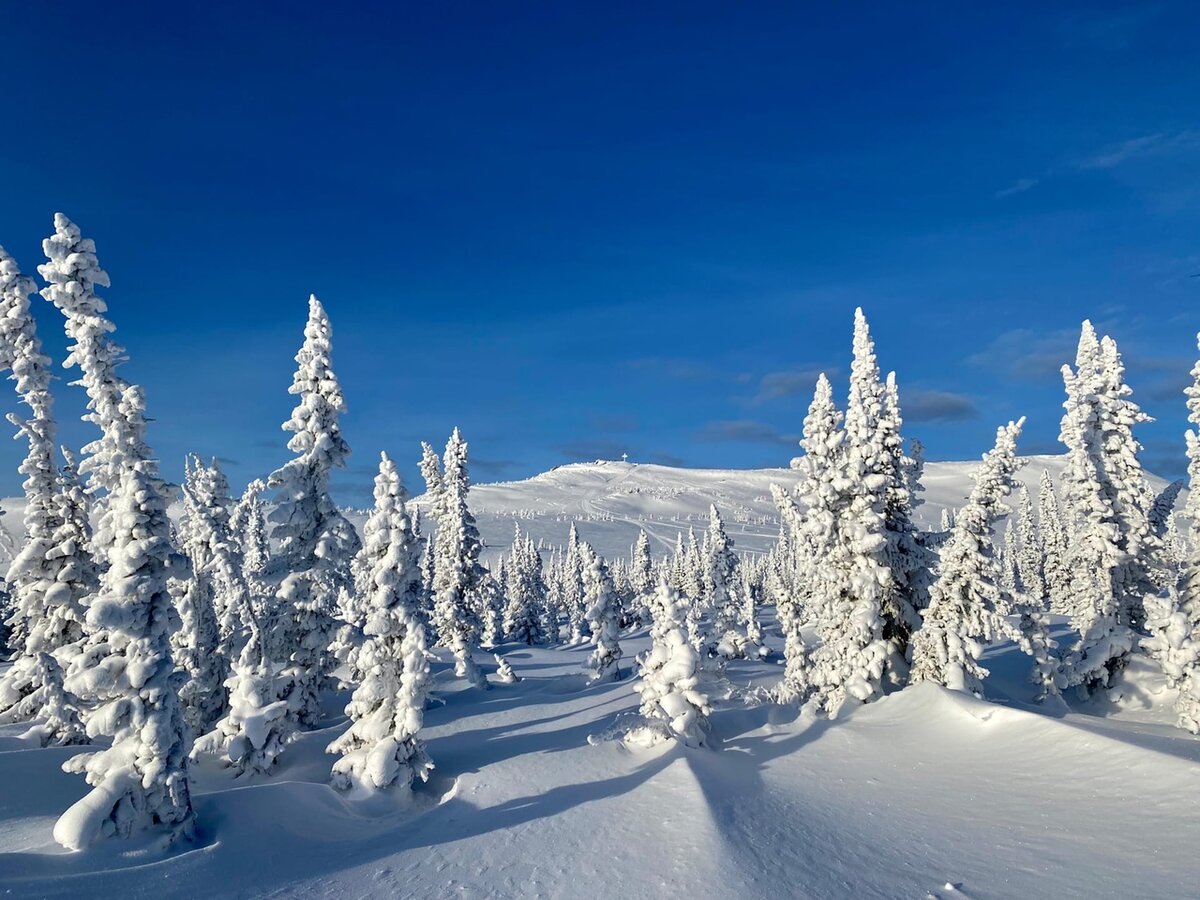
{"points": [[581, 229]]}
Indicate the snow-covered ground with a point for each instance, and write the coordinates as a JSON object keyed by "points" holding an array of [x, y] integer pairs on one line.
{"points": [[922, 794], [925, 793]]}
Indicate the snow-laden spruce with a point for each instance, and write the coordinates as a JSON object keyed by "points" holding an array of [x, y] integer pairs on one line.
{"points": [[141, 780], [381, 749], [212, 601], [51, 576], [571, 584], [457, 574], [525, 610], [315, 543], [962, 614], [814, 537], [1053, 537], [723, 584], [602, 615], [1115, 559], [255, 728], [849, 580], [72, 274], [1173, 619], [674, 706], [248, 528]]}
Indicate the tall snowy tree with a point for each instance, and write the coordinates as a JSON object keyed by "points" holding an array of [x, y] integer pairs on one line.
{"points": [[457, 572], [853, 582], [963, 610], [602, 615], [815, 536], [248, 528], [907, 557], [1115, 558], [1173, 619], [49, 578], [572, 589], [141, 780], [1053, 538], [525, 610], [72, 274], [315, 541], [381, 749], [1030, 561], [723, 584]]}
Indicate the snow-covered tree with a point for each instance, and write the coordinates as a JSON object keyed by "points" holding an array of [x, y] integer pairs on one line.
{"points": [[457, 572], [1030, 561], [72, 274], [641, 575], [525, 610], [1114, 557], [504, 671], [141, 780], [1053, 539], [382, 749], [572, 589], [674, 706], [906, 556], [248, 528], [962, 613], [723, 585], [602, 615], [209, 639], [315, 543], [1173, 617], [45, 577], [255, 729]]}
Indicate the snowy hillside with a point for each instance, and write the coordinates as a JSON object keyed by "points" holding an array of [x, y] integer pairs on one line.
{"points": [[610, 501]]}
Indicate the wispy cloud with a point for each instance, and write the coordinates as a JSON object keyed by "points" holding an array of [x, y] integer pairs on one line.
{"points": [[1020, 186], [787, 383], [744, 431], [920, 405], [1026, 354], [1113, 155]]}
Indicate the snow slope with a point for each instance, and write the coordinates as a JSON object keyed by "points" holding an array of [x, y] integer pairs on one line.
{"points": [[610, 501], [920, 791], [923, 794]]}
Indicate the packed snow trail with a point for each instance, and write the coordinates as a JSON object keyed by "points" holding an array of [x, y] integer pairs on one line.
{"points": [[896, 799]]}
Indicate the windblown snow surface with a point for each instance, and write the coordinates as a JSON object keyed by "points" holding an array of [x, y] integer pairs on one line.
{"points": [[922, 794]]}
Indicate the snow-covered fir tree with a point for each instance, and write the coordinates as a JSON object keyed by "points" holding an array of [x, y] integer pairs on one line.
{"points": [[248, 528], [524, 612], [382, 749], [1173, 617], [1056, 575], [572, 589], [962, 613], [49, 579], [140, 781], [1030, 562], [723, 585], [457, 572], [602, 615], [815, 538], [674, 706], [641, 575], [72, 274], [907, 557], [1115, 558], [315, 543], [209, 639]]}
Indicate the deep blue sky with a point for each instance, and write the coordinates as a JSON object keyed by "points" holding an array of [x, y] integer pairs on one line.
{"points": [[577, 229]]}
